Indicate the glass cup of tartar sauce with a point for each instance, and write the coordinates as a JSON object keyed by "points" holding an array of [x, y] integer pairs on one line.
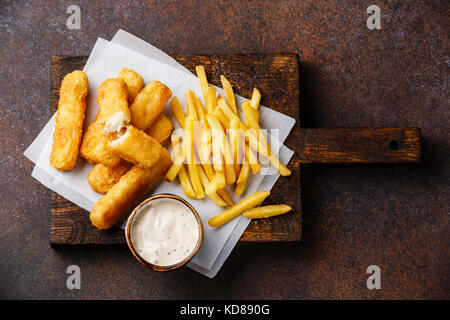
{"points": [[164, 232]]}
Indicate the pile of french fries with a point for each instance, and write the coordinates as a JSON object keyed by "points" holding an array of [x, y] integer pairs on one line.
{"points": [[218, 149]]}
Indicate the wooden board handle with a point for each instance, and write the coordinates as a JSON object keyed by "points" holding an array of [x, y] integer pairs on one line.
{"points": [[360, 145]]}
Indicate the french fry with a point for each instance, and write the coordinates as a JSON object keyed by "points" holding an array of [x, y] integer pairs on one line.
{"points": [[200, 70], [178, 155], [211, 100], [258, 142], [186, 184], [237, 142], [234, 211], [252, 160], [256, 98], [219, 178], [251, 115], [205, 148], [190, 105], [213, 195], [267, 211], [222, 118], [213, 185], [178, 111], [190, 156], [225, 108], [230, 174], [229, 94], [209, 170], [217, 155], [200, 109], [242, 179], [225, 196]]}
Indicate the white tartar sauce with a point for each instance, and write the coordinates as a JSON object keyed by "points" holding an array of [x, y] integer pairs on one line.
{"points": [[164, 232]]}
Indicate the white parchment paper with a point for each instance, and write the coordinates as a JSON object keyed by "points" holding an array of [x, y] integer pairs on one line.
{"points": [[105, 61]]}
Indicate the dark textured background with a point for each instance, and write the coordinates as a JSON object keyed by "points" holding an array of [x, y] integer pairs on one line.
{"points": [[392, 216]]}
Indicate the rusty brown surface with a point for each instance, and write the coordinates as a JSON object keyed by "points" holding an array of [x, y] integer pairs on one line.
{"points": [[393, 216]]}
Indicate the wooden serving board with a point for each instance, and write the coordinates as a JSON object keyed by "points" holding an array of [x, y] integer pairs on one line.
{"points": [[277, 78]]}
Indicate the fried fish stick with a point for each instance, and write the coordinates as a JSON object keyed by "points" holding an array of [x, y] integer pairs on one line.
{"points": [[148, 104], [137, 147], [161, 129], [69, 121], [134, 82], [113, 105], [94, 147], [131, 187], [112, 115], [102, 178]]}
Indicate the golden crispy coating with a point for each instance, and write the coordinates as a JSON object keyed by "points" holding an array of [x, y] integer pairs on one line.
{"points": [[137, 147], [114, 114], [94, 147], [131, 187], [69, 121], [134, 82], [161, 129], [102, 178], [148, 104], [112, 99]]}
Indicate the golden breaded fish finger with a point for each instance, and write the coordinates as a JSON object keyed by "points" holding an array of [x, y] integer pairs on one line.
{"points": [[102, 178], [113, 105], [161, 129], [137, 147], [134, 82], [132, 186], [113, 114], [94, 146], [69, 121], [149, 104]]}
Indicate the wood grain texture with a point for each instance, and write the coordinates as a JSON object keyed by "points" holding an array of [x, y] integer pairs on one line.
{"points": [[360, 145], [276, 76]]}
